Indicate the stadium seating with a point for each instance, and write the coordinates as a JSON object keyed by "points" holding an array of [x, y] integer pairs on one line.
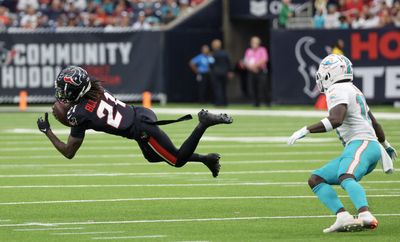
{"points": [[138, 14]]}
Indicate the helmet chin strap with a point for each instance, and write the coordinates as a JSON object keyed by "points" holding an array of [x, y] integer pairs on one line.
{"points": [[84, 91]]}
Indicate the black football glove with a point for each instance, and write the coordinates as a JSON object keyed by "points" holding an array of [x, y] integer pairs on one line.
{"points": [[43, 124]]}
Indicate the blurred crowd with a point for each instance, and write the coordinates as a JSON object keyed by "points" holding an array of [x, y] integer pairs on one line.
{"points": [[137, 14], [356, 14]]}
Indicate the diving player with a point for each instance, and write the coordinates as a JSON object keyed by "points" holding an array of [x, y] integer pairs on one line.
{"points": [[92, 107], [359, 132]]}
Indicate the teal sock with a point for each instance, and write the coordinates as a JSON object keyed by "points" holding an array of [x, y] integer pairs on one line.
{"points": [[328, 197], [356, 192]]}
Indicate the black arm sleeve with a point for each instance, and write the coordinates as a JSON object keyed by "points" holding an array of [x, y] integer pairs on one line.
{"points": [[78, 131]]}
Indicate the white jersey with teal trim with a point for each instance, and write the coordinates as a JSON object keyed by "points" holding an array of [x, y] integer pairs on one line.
{"points": [[357, 124]]}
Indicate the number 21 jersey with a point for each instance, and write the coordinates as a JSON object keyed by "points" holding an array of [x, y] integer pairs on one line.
{"points": [[107, 114]]}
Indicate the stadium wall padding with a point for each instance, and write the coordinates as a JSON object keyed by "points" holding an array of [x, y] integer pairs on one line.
{"points": [[295, 56]]}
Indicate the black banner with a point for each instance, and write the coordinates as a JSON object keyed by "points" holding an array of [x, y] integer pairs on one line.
{"points": [[127, 63], [295, 56]]}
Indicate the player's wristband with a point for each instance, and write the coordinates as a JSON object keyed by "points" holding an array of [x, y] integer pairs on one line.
{"points": [[385, 144], [327, 124]]}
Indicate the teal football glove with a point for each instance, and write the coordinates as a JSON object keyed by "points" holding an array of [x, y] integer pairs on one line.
{"points": [[390, 150]]}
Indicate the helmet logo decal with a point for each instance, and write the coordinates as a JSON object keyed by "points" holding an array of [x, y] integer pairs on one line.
{"points": [[69, 80], [329, 61]]}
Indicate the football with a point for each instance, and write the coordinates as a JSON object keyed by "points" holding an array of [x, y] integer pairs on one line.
{"points": [[60, 113]]}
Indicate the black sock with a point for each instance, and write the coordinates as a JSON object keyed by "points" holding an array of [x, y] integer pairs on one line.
{"points": [[186, 152]]}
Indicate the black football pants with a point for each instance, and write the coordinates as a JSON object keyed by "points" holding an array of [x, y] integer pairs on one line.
{"points": [[156, 146]]}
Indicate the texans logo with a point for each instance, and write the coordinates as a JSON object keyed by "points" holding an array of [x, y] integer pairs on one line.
{"points": [[6, 56], [308, 65], [68, 79]]}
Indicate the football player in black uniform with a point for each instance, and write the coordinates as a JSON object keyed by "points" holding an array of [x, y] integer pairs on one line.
{"points": [[92, 107]]}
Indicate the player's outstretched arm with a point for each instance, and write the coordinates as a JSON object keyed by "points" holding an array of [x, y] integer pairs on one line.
{"points": [[68, 149], [334, 120], [381, 137]]}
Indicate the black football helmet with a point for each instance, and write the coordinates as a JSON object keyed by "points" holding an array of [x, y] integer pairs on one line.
{"points": [[71, 84]]}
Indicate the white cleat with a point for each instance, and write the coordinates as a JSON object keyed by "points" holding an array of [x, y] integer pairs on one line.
{"points": [[368, 220], [344, 223]]}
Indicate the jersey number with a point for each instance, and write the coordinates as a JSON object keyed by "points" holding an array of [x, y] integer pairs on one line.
{"points": [[112, 120], [363, 106]]}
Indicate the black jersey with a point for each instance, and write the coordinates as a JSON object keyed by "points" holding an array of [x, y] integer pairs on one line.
{"points": [[107, 114]]}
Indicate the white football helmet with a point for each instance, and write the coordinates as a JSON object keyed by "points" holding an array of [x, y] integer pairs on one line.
{"points": [[332, 69]]}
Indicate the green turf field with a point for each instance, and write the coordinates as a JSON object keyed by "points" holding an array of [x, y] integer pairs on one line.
{"points": [[108, 192]]}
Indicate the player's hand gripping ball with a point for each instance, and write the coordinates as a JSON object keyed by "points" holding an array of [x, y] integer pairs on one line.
{"points": [[60, 111]]}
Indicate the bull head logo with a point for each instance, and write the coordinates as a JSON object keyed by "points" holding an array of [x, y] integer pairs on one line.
{"points": [[6, 56], [308, 65], [69, 80]]}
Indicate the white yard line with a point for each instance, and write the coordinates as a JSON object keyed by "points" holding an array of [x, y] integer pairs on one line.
{"points": [[382, 189], [130, 237], [188, 185], [177, 199], [265, 139], [236, 112], [83, 233], [97, 156], [33, 165], [158, 185], [193, 241], [225, 162], [134, 147], [183, 220], [268, 113], [266, 153], [244, 139], [48, 229], [156, 174], [149, 174]]}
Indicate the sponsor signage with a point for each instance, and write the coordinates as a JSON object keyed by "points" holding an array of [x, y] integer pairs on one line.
{"points": [[126, 63], [295, 56]]}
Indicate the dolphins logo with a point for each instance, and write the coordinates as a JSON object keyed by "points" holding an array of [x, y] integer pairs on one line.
{"points": [[308, 65]]}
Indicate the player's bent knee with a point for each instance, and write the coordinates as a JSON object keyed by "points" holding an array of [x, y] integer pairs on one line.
{"points": [[179, 163], [314, 180], [345, 176]]}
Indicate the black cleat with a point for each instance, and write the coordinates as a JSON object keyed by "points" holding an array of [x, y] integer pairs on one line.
{"points": [[212, 162], [210, 119]]}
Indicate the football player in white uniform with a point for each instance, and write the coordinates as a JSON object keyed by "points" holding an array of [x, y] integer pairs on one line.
{"points": [[359, 132]]}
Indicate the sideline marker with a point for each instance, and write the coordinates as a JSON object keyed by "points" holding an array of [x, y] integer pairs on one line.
{"points": [[23, 100], [146, 99]]}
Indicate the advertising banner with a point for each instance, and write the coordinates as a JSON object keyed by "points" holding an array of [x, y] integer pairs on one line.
{"points": [[295, 56], [127, 63]]}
